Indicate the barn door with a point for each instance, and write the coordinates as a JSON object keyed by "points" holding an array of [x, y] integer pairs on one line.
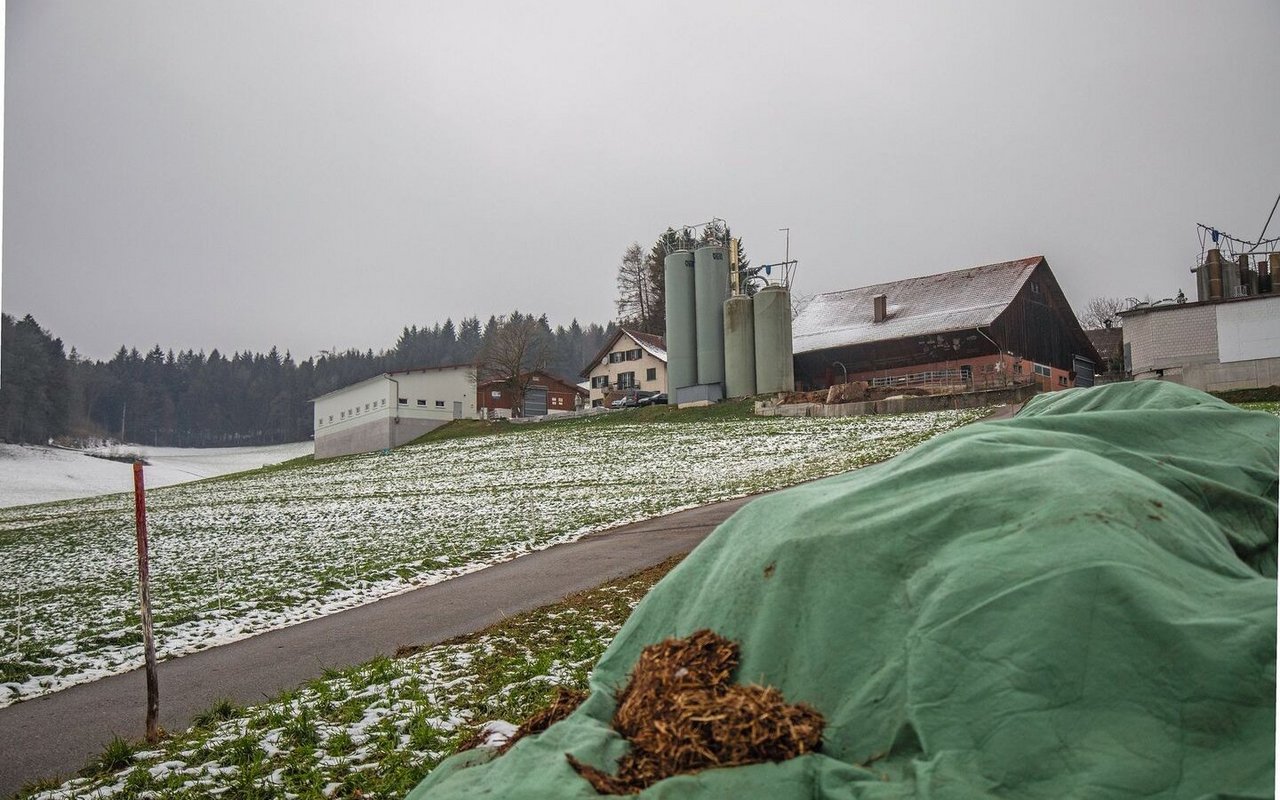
{"points": [[535, 402]]}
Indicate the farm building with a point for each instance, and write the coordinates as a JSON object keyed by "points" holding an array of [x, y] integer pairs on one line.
{"points": [[391, 409], [979, 327], [1212, 345], [545, 395], [629, 360]]}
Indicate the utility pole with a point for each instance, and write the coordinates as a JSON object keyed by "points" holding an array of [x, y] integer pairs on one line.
{"points": [[144, 598]]}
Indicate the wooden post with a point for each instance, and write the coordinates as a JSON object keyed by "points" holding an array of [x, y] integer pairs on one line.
{"points": [[144, 597]]}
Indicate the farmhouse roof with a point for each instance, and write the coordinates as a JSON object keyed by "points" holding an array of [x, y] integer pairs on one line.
{"points": [[948, 301], [573, 387], [654, 345]]}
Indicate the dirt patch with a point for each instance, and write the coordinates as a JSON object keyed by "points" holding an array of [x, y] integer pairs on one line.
{"points": [[681, 714]]}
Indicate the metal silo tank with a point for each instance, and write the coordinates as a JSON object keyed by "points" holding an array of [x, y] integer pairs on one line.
{"points": [[774, 369], [711, 289], [682, 347], [739, 347]]}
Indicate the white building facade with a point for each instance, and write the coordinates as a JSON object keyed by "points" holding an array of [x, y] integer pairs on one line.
{"points": [[391, 409], [1213, 346]]}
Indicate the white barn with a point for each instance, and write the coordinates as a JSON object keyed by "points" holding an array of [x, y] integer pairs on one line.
{"points": [[391, 409]]}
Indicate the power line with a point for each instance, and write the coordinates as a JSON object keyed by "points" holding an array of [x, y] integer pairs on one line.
{"points": [[1266, 224]]}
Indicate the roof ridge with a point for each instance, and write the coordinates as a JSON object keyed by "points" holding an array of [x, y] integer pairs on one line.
{"points": [[1023, 262]]}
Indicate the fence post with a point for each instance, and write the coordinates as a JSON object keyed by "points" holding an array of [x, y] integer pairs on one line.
{"points": [[144, 598]]}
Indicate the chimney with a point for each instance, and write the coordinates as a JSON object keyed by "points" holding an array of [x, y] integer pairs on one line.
{"points": [[881, 303]]}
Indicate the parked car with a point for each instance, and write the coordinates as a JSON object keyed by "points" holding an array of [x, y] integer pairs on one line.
{"points": [[658, 399]]}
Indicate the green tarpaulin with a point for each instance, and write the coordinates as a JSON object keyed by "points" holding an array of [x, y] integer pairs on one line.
{"points": [[1077, 602]]}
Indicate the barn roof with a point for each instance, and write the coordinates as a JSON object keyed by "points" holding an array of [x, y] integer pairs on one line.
{"points": [[382, 376], [949, 301]]}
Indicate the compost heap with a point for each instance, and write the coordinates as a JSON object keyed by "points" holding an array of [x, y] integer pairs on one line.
{"points": [[681, 712], [1076, 602]]}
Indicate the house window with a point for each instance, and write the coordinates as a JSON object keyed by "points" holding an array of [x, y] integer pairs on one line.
{"points": [[617, 357], [600, 382], [366, 406], [384, 401], [626, 380], [319, 422], [439, 404], [651, 374], [342, 415], [633, 355], [1035, 288], [1042, 370], [404, 401], [422, 402], [597, 403], [331, 418], [1062, 380], [495, 395]]}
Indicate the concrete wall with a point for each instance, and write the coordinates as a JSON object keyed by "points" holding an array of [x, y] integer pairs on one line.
{"points": [[372, 435], [1171, 338], [1222, 377], [903, 405]]}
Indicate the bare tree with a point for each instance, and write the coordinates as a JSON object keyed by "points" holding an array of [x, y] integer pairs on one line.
{"points": [[635, 293], [1102, 312], [798, 304], [511, 352]]}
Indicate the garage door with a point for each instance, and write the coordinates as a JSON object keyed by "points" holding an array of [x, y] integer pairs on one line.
{"points": [[535, 402]]}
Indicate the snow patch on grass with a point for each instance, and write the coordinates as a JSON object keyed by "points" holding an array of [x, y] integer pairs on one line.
{"points": [[231, 559]]}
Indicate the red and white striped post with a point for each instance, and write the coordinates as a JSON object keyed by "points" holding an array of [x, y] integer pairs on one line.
{"points": [[144, 597]]}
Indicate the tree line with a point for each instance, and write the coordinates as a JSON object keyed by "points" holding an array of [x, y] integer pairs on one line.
{"points": [[190, 399]]}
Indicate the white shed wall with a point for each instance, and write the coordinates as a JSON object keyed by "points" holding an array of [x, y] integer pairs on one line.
{"points": [[367, 416], [1248, 331]]}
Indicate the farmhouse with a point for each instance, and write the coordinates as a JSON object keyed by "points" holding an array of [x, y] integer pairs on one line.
{"points": [[979, 327], [544, 395], [391, 409], [629, 360], [1212, 345]]}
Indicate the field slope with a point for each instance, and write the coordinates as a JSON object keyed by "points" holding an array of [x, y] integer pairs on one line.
{"points": [[239, 556]]}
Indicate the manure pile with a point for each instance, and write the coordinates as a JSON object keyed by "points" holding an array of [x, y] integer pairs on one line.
{"points": [[681, 714]]}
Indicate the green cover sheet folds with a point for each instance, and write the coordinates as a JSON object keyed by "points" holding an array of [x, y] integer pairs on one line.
{"points": [[1076, 602]]}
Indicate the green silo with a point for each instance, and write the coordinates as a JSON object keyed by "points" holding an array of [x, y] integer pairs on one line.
{"points": [[682, 347], [774, 369], [739, 347], [711, 289]]}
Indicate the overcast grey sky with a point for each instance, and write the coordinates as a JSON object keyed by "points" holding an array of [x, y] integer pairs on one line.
{"points": [[316, 174]]}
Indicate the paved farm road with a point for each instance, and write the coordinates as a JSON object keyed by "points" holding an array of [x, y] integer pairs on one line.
{"points": [[58, 733]]}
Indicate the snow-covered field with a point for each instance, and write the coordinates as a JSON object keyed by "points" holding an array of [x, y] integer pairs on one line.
{"points": [[238, 557], [34, 474]]}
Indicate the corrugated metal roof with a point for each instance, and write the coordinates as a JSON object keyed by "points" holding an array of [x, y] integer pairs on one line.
{"points": [[949, 301]]}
